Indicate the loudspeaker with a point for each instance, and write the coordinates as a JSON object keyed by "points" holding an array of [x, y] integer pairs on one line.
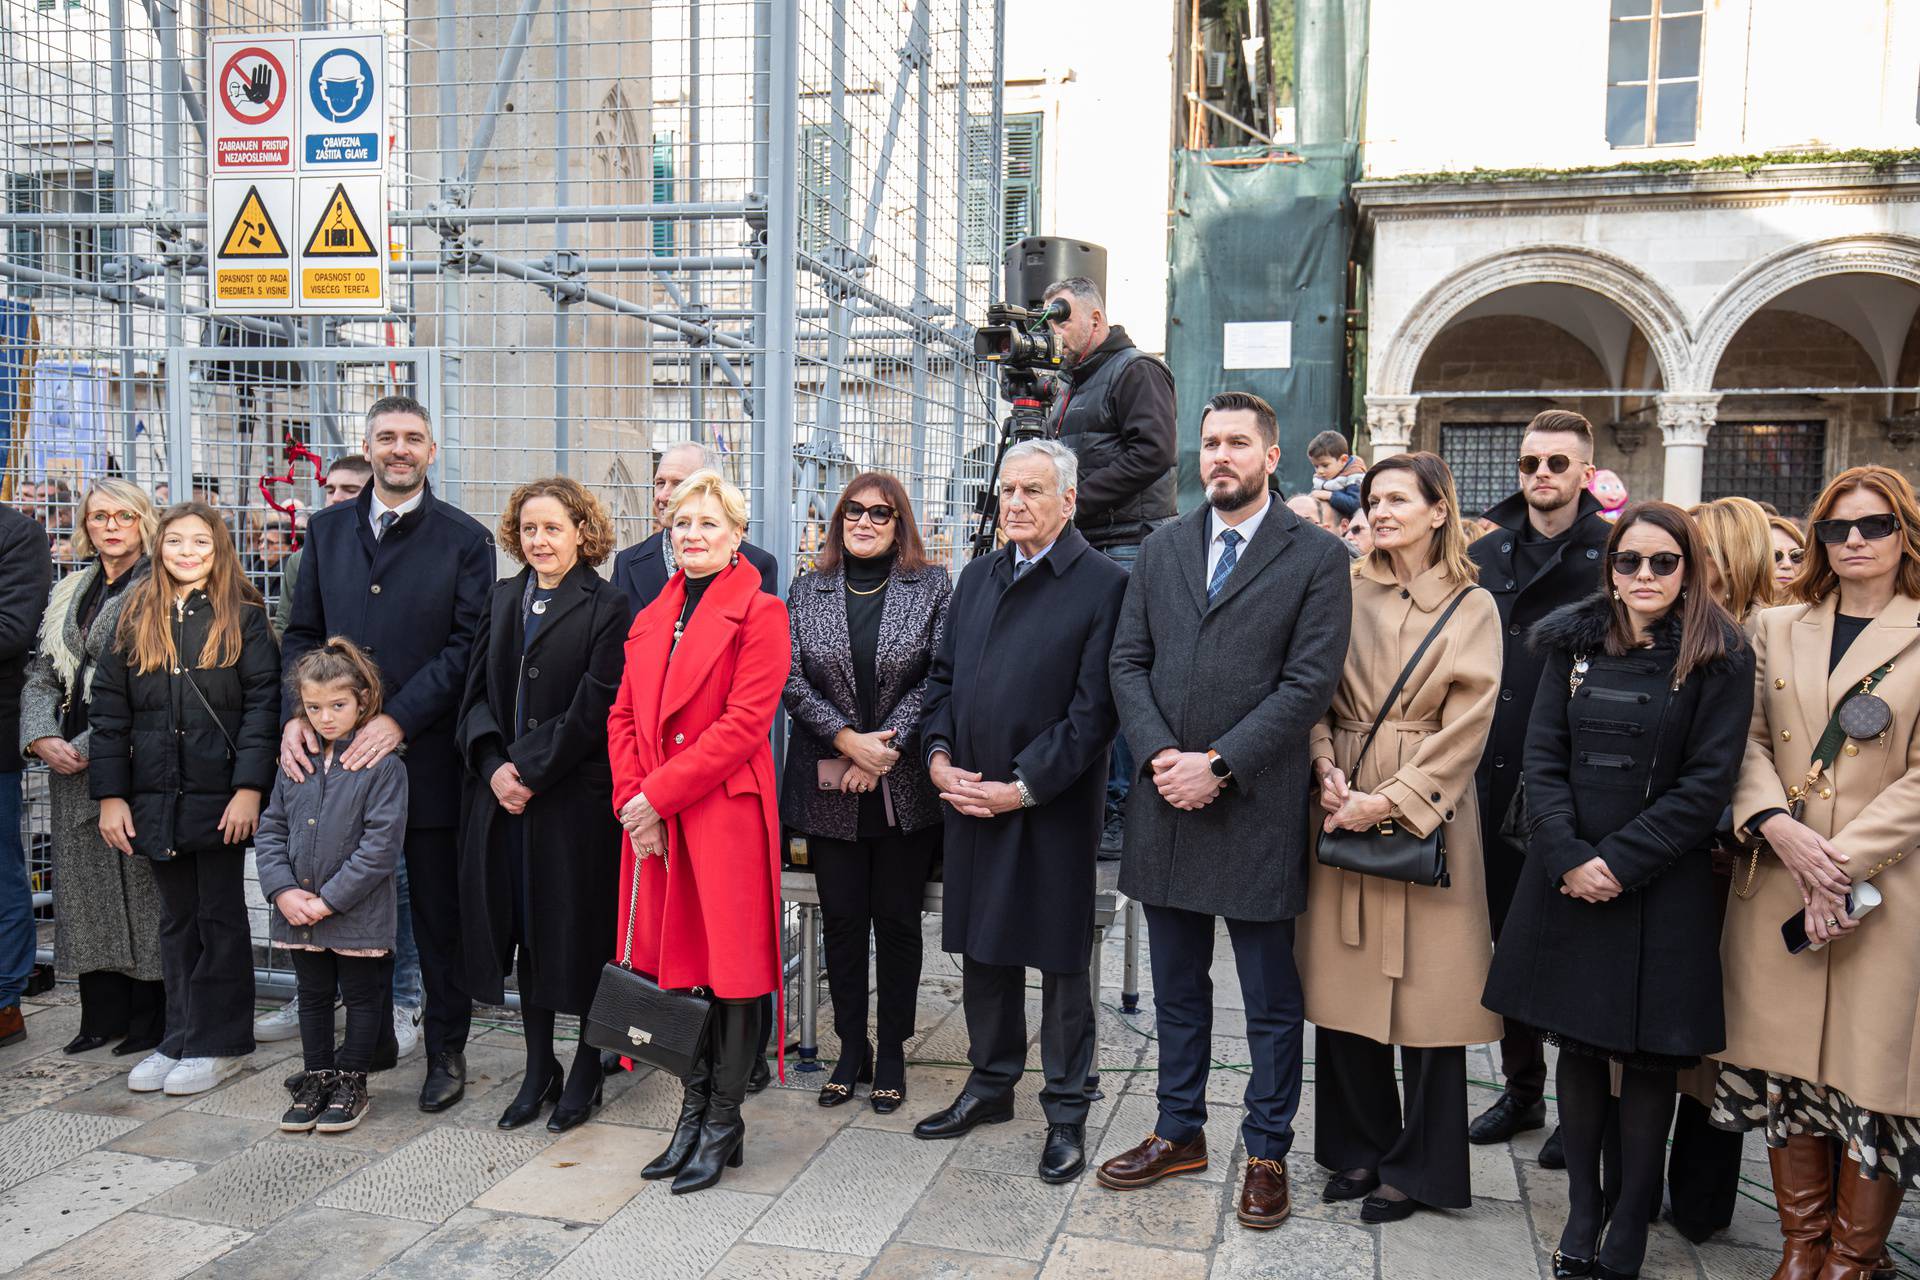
{"points": [[1038, 261]]}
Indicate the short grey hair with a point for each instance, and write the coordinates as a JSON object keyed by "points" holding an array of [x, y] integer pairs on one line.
{"points": [[1082, 288], [1066, 467], [708, 461]]}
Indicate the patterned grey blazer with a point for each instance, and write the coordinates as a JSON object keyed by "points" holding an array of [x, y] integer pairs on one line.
{"points": [[820, 695]]}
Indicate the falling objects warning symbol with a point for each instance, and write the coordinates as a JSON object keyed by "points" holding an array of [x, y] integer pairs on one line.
{"points": [[252, 234], [339, 233]]}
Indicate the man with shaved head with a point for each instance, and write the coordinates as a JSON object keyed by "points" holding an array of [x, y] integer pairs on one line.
{"points": [[642, 570]]}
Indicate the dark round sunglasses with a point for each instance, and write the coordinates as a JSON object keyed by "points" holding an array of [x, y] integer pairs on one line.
{"points": [[1796, 555], [1558, 463], [1873, 528], [1627, 563], [879, 513]]}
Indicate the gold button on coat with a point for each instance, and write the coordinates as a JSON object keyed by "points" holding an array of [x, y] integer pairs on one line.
{"points": [[1852, 750], [1786, 735], [1779, 684], [1826, 793]]}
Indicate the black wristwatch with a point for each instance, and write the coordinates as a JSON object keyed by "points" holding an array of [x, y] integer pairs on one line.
{"points": [[1218, 763]]}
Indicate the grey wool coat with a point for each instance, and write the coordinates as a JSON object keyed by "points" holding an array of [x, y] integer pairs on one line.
{"points": [[1248, 676], [108, 919], [337, 833]]}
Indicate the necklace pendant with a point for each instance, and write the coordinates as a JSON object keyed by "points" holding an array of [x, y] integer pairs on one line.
{"points": [[539, 606]]}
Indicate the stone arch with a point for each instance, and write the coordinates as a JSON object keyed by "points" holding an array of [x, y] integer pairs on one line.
{"points": [[1875, 254], [1644, 302]]}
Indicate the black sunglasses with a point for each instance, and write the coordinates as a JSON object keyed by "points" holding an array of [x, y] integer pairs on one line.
{"points": [[1627, 563], [1796, 555], [1873, 528], [1557, 464], [880, 513]]}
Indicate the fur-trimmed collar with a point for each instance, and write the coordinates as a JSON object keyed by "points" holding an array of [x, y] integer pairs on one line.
{"points": [[1581, 627]]}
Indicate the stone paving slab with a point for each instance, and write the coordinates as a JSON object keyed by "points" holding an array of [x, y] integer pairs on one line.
{"points": [[585, 1176], [1490, 1239], [181, 1135], [765, 1262], [111, 1097], [663, 1236], [1084, 1258], [473, 1245], [917, 1262], [1178, 1213], [436, 1175], [43, 1140], [44, 1080], [262, 1183], [317, 1244], [136, 1244], [1299, 1249], [62, 1204], [853, 1197], [1000, 1213]]}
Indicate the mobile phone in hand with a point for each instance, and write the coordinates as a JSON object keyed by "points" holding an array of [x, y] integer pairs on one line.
{"points": [[1861, 900]]}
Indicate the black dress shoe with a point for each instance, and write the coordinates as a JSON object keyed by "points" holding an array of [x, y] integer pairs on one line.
{"points": [[966, 1114], [446, 1082], [1568, 1267], [524, 1110], [84, 1043], [1553, 1155], [1506, 1117], [1065, 1154], [565, 1118], [1601, 1271], [143, 1046], [1380, 1209], [1340, 1187]]}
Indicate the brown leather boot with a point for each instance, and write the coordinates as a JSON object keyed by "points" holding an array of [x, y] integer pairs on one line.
{"points": [[1803, 1184], [13, 1026], [1863, 1212]]}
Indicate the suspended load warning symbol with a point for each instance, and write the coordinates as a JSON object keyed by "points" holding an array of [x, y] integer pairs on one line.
{"points": [[252, 234], [339, 233]]}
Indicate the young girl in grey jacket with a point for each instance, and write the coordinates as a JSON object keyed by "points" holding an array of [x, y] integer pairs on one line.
{"points": [[326, 850]]}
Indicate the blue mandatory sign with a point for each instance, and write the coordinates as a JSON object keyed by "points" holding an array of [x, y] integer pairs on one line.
{"points": [[340, 89]]}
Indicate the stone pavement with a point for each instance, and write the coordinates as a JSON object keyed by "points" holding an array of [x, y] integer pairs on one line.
{"points": [[97, 1181]]}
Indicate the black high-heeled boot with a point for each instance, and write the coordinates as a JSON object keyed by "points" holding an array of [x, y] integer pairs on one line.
{"points": [[693, 1109], [722, 1132]]}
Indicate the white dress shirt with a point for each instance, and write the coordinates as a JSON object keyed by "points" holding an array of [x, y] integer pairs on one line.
{"points": [[373, 515], [1020, 557], [1216, 526]]}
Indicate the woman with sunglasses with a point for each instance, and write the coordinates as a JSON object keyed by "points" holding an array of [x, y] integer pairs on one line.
{"points": [[1632, 752], [1821, 1047], [1789, 551], [865, 625]]}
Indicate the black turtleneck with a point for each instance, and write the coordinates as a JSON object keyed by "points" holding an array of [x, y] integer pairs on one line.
{"points": [[866, 596], [696, 588]]}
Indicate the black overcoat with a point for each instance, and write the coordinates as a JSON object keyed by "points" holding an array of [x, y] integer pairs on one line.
{"points": [[572, 864], [641, 571], [26, 575], [1019, 686], [155, 746], [1248, 674], [1637, 772], [414, 600], [1571, 576]]}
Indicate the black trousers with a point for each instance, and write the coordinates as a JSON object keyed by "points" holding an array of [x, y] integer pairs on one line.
{"points": [[117, 1004], [1180, 945], [206, 955], [994, 998], [873, 887], [365, 984], [1359, 1122], [1523, 1060], [433, 883], [1703, 1171]]}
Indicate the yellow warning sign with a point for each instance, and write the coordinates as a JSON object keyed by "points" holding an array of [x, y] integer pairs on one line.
{"points": [[340, 284], [339, 233], [252, 233], [253, 284]]}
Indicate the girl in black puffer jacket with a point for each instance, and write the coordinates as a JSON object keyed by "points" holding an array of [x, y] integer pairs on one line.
{"points": [[185, 729]]}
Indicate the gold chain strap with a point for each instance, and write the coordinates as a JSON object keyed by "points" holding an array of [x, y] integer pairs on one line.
{"points": [[1753, 871]]}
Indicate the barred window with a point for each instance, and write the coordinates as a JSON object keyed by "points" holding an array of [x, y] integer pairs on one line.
{"points": [[1775, 462], [1481, 456], [1653, 72]]}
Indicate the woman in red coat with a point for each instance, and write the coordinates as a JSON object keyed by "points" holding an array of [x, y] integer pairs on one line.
{"points": [[694, 785]]}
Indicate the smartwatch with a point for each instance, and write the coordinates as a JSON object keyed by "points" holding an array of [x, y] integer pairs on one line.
{"points": [[1218, 763]]}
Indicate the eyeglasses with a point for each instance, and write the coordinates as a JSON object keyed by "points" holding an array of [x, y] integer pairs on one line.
{"points": [[1627, 563], [1558, 463], [1873, 528], [1796, 555], [101, 519], [879, 513]]}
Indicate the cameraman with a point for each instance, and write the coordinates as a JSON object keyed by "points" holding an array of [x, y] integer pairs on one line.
{"points": [[1117, 416]]}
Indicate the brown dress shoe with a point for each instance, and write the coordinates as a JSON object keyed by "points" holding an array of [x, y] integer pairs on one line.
{"points": [[13, 1027], [1152, 1160], [1803, 1186], [1264, 1199], [1863, 1213]]}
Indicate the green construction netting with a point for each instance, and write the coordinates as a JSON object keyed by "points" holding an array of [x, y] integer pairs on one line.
{"points": [[1260, 243]]}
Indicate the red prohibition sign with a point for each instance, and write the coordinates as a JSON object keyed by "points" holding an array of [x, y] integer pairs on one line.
{"points": [[245, 97]]}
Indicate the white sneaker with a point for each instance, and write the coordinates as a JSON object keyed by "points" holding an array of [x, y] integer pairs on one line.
{"points": [[406, 1028], [197, 1075], [282, 1024], [152, 1073]]}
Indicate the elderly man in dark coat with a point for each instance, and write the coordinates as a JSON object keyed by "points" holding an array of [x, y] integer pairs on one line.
{"points": [[1228, 651], [1018, 723]]}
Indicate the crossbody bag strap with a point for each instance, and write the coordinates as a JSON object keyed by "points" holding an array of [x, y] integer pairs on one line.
{"points": [[208, 708], [1827, 750], [1406, 674]]}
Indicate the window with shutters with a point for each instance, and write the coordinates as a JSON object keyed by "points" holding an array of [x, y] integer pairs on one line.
{"points": [[1020, 163], [1653, 72], [72, 250], [818, 225], [664, 229]]}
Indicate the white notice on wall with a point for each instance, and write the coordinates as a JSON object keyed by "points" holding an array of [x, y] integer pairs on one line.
{"points": [[1258, 344]]}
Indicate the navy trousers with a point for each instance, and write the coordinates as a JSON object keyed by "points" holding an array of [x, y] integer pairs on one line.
{"points": [[1180, 944]]}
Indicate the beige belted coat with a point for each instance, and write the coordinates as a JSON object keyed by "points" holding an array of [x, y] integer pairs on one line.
{"points": [[1844, 1016], [1398, 963]]}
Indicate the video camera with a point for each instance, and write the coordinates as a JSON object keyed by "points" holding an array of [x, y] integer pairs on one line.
{"points": [[1021, 342]]}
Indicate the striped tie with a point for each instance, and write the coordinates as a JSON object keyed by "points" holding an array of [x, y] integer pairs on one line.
{"points": [[1230, 538], [387, 519]]}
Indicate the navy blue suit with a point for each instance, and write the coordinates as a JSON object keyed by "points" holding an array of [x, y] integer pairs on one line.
{"points": [[641, 571], [414, 600]]}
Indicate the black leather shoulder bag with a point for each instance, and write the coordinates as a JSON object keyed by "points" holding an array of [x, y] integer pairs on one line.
{"points": [[636, 1017], [1388, 850]]}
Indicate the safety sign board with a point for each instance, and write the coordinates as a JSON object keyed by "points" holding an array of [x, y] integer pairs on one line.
{"points": [[343, 111], [343, 235], [252, 249], [252, 119]]}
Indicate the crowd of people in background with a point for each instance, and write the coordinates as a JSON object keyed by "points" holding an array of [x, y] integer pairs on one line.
{"points": [[1633, 784]]}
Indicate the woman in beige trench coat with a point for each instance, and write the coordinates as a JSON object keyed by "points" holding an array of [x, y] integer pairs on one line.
{"points": [[1386, 963], [1823, 1050]]}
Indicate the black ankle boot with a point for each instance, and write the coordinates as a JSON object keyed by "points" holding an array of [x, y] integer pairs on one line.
{"points": [[693, 1109], [735, 1038], [536, 1092]]}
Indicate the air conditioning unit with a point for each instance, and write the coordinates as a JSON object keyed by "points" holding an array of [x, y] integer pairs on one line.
{"points": [[1217, 69]]}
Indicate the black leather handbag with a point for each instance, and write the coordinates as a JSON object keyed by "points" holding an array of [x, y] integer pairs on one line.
{"points": [[1388, 850], [636, 1017]]}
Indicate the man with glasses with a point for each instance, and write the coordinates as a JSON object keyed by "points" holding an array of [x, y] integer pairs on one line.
{"points": [[1544, 552]]}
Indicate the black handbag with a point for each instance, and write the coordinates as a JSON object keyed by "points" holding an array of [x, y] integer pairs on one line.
{"points": [[1388, 850], [636, 1017]]}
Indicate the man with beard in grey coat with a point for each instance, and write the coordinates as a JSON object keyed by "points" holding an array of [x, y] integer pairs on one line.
{"points": [[1229, 647]]}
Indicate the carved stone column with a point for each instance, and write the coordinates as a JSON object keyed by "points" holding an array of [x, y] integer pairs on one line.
{"points": [[1390, 422], [1686, 420]]}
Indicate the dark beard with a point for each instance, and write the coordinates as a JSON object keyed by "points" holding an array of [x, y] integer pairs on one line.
{"points": [[1240, 495], [1527, 495]]}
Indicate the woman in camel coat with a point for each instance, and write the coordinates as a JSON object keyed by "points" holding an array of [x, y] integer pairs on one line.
{"points": [[1822, 1047], [1387, 963]]}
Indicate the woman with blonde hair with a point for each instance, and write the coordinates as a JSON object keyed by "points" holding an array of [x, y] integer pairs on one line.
{"points": [[1386, 962], [106, 926], [1737, 536]]}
